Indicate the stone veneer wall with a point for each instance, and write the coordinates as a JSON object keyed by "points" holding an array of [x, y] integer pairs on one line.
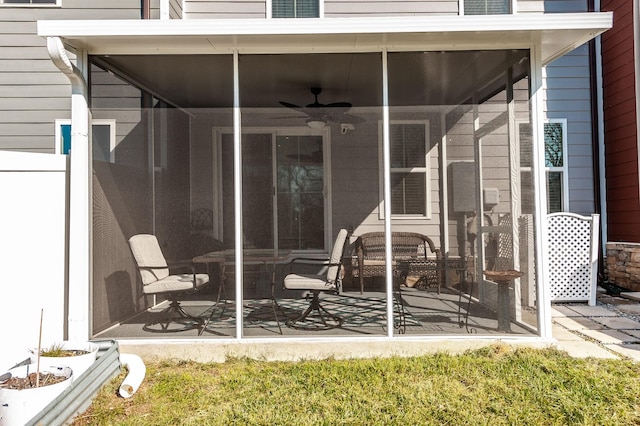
{"points": [[623, 265]]}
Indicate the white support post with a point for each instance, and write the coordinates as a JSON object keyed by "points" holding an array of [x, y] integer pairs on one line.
{"points": [[237, 191], [540, 196], [386, 161]]}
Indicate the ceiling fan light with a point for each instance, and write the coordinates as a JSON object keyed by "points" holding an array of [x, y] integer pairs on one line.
{"points": [[316, 124]]}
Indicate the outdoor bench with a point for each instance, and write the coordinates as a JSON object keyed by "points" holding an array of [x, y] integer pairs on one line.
{"points": [[415, 259]]}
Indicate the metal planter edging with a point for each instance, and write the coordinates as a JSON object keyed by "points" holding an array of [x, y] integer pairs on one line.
{"points": [[77, 398]]}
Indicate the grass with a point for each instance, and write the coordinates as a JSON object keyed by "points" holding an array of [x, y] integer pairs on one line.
{"points": [[496, 385]]}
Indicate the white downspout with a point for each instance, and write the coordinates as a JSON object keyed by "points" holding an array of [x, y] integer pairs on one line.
{"points": [[79, 193]]}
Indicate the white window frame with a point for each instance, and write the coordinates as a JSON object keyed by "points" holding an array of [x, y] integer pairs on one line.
{"points": [[565, 160], [270, 10], [426, 170], [57, 3], [99, 122]]}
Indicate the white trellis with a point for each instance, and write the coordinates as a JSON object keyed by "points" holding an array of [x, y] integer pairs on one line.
{"points": [[573, 257]]}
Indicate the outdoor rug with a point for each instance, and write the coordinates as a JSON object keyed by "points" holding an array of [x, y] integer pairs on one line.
{"points": [[355, 312]]}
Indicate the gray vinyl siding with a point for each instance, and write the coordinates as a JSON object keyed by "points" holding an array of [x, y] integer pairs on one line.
{"points": [[351, 8], [568, 96], [530, 6], [33, 92], [212, 9], [154, 9]]}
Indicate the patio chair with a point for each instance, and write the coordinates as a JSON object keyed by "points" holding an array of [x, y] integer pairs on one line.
{"points": [[317, 283], [156, 279]]}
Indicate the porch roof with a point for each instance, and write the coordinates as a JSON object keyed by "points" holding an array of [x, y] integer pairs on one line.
{"points": [[557, 34]]}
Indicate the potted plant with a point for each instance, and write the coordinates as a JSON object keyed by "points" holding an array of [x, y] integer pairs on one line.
{"points": [[77, 355], [25, 390]]}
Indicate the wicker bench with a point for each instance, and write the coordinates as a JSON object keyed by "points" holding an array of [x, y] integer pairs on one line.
{"points": [[414, 256]]}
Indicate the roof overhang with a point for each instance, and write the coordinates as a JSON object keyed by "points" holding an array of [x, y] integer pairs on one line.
{"points": [[555, 34]]}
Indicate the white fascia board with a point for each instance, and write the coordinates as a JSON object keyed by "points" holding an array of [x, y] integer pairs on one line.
{"points": [[556, 33]]}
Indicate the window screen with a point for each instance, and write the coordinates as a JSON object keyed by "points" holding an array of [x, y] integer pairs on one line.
{"points": [[408, 169], [487, 7], [295, 9]]}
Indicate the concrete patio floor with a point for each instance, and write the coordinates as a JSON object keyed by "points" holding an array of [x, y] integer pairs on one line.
{"points": [[436, 323]]}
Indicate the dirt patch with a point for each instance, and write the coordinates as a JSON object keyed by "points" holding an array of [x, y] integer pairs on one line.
{"points": [[29, 382]]}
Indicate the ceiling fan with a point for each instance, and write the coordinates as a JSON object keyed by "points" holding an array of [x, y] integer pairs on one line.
{"points": [[318, 115]]}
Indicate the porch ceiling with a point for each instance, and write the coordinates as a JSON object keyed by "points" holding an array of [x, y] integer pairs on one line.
{"points": [[139, 49]]}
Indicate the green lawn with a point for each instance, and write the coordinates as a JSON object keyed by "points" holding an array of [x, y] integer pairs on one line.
{"points": [[497, 385]]}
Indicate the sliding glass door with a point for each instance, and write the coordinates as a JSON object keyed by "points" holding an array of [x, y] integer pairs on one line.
{"points": [[283, 183]]}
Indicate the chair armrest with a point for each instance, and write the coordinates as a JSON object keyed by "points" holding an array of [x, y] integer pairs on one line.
{"points": [[309, 259], [184, 264]]}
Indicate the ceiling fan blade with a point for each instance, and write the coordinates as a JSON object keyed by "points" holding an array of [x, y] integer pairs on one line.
{"points": [[292, 106], [346, 105], [344, 118]]}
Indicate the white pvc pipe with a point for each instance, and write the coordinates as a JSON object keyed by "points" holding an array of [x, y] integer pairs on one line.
{"points": [[137, 370]]}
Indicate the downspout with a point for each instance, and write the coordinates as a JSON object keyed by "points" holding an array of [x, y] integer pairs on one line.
{"points": [[79, 242], [597, 137], [146, 9]]}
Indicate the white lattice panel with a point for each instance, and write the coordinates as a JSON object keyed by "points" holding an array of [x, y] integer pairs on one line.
{"points": [[573, 255]]}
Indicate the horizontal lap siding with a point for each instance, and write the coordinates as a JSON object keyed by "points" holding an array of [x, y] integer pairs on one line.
{"points": [[621, 138], [211, 9], [341, 8], [530, 6], [33, 92], [568, 95]]}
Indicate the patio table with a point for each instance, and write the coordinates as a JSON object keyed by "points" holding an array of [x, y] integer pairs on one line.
{"points": [[269, 258]]}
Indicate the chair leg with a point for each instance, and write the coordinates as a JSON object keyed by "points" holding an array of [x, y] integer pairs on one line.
{"points": [[315, 306], [174, 313], [221, 290]]}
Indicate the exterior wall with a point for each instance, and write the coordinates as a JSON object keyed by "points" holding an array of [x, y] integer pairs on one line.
{"points": [[208, 9], [568, 96], [154, 9], [352, 8], [620, 115], [33, 92], [623, 265]]}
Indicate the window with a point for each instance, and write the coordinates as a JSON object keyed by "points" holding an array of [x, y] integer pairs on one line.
{"points": [[409, 152], [103, 133], [487, 7], [555, 148], [295, 8], [30, 2]]}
